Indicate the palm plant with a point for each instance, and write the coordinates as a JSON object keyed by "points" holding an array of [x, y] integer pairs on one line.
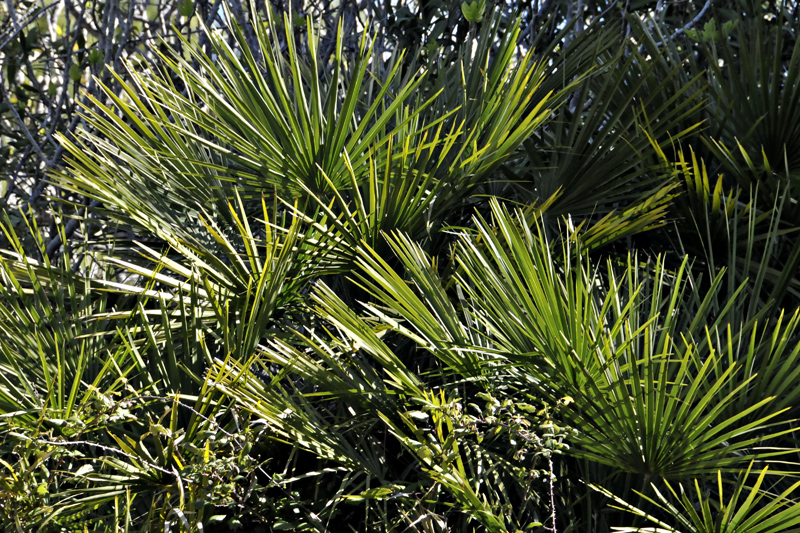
{"points": [[753, 94], [745, 510], [362, 292], [599, 151], [641, 399], [56, 356]]}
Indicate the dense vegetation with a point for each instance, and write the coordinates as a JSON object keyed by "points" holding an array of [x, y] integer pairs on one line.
{"points": [[400, 267]]}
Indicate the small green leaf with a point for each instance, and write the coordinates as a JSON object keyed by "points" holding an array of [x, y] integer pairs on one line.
{"points": [[377, 493], [85, 469], [473, 12], [728, 28], [75, 73], [710, 31], [54, 422], [694, 35], [95, 56], [484, 396], [186, 8]]}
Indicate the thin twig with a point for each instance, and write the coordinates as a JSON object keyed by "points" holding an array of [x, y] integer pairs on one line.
{"points": [[689, 25], [107, 449], [21, 26], [552, 493]]}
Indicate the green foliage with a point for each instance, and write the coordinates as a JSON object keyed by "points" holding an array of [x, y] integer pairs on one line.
{"points": [[317, 283], [474, 11], [745, 510]]}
